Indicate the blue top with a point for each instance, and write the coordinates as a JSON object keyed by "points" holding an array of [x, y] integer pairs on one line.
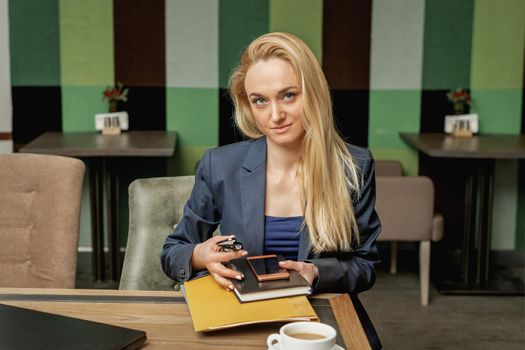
{"points": [[281, 235]]}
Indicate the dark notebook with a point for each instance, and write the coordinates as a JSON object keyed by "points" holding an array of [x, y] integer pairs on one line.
{"points": [[28, 329], [250, 289]]}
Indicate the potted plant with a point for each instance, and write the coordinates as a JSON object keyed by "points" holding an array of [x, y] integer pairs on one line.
{"points": [[113, 122], [460, 98], [114, 94]]}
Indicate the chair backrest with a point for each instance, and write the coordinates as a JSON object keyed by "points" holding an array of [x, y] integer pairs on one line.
{"points": [[40, 198], [405, 205], [155, 207], [388, 168]]}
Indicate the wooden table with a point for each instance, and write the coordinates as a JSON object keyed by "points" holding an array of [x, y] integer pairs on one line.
{"points": [[482, 151], [165, 318], [98, 150], [476, 147]]}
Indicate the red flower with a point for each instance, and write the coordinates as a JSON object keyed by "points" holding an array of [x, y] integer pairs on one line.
{"points": [[459, 99], [115, 93]]}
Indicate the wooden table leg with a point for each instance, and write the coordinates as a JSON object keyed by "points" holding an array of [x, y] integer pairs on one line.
{"points": [[486, 184], [349, 323], [478, 221], [113, 218], [98, 267], [469, 236]]}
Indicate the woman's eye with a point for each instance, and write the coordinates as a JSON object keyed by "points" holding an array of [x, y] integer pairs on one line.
{"points": [[258, 101], [289, 96]]}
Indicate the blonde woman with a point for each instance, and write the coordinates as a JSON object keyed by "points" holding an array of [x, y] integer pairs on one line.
{"points": [[295, 188]]}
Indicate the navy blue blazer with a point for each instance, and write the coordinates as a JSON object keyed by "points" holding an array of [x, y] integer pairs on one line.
{"points": [[230, 191]]}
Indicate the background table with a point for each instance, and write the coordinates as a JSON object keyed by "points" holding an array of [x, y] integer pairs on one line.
{"points": [[482, 151], [98, 150], [165, 316]]}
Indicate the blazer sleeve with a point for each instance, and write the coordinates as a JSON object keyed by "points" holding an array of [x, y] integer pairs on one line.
{"points": [[353, 272], [200, 219]]}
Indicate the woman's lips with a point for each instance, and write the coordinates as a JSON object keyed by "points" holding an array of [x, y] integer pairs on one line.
{"points": [[281, 129]]}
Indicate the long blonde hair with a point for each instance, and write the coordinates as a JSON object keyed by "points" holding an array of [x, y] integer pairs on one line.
{"points": [[328, 176]]}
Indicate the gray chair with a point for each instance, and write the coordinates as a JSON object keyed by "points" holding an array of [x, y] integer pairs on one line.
{"points": [[155, 207], [40, 198]]}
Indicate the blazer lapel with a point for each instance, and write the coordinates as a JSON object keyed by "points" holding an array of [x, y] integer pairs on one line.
{"points": [[253, 191]]}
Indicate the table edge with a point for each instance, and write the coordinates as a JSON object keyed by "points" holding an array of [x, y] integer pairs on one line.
{"points": [[408, 138]]}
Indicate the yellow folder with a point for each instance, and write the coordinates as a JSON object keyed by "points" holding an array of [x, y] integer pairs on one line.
{"points": [[214, 308]]}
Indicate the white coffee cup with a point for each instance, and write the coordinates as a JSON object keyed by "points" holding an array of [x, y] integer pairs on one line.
{"points": [[303, 336]]}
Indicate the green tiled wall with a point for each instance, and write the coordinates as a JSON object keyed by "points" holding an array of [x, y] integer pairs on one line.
{"points": [[447, 44], [86, 42], [79, 105], [34, 42], [306, 21], [417, 49], [239, 23]]}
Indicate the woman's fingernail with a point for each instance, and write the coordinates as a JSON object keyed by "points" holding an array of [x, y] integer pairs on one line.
{"points": [[231, 286], [282, 263], [244, 253], [239, 277]]}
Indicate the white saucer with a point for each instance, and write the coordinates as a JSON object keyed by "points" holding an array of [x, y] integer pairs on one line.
{"points": [[336, 347]]}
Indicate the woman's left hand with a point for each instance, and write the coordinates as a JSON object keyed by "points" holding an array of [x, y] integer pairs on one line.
{"points": [[308, 270]]}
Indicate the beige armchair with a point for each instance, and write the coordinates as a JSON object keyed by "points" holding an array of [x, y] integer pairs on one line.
{"points": [[39, 220], [155, 207], [405, 205]]}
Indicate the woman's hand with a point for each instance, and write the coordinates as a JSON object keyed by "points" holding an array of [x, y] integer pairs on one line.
{"points": [[308, 270], [206, 255]]}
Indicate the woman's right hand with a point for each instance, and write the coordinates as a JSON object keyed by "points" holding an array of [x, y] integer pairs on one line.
{"points": [[206, 255]]}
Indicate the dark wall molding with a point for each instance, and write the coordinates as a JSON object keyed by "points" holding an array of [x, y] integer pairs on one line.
{"points": [[4, 136]]}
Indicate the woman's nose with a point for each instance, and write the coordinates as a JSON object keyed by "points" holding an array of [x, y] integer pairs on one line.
{"points": [[277, 114]]}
